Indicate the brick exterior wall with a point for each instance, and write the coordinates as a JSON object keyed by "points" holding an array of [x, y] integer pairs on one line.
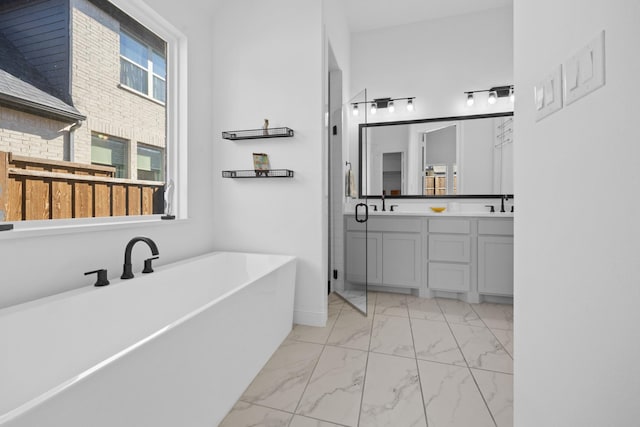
{"points": [[110, 110], [25, 134]]}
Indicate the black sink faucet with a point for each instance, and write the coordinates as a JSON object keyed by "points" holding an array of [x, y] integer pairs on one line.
{"points": [[127, 272], [504, 197], [384, 209]]}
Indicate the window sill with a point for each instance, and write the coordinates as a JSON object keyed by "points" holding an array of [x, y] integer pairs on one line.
{"points": [[140, 94], [27, 229]]}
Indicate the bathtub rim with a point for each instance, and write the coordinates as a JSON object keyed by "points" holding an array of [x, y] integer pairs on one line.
{"points": [[48, 394]]}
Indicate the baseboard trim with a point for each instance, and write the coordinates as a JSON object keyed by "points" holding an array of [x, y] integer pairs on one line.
{"points": [[310, 318]]}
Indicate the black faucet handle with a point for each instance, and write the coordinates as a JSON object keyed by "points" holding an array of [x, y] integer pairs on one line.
{"points": [[393, 206], [493, 209], [102, 277], [375, 208], [148, 268]]}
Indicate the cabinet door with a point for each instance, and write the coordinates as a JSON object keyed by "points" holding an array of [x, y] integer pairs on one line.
{"points": [[450, 248], [356, 258], [495, 269], [401, 259]]}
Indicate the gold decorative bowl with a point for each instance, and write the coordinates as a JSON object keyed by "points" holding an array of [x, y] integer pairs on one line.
{"points": [[438, 209]]}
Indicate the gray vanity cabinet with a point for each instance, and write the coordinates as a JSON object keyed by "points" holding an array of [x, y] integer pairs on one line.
{"points": [[449, 255], [495, 257], [401, 261], [394, 247], [469, 256], [356, 257]]}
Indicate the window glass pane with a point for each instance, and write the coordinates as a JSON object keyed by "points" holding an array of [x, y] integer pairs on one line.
{"points": [[150, 163], [117, 110], [133, 76], [159, 64], [133, 49], [109, 151], [159, 89]]}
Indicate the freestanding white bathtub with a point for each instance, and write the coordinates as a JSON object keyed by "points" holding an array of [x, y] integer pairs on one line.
{"points": [[173, 348]]}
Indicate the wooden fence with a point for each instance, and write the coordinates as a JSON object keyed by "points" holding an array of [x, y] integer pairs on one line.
{"points": [[32, 189]]}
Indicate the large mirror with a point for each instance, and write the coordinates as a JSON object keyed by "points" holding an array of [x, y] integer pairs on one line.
{"points": [[468, 156]]}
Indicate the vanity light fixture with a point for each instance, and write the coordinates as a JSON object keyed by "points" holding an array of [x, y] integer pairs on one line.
{"points": [[470, 99], [493, 97], [387, 103], [410, 104], [495, 93]]}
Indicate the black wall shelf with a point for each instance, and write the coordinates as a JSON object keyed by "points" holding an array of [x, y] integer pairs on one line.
{"points": [[235, 135], [251, 173]]}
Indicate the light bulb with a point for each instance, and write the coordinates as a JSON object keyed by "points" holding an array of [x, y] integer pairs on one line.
{"points": [[374, 108], [355, 109], [493, 97], [410, 105], [470, 100], [512, 96], [391, 107]]}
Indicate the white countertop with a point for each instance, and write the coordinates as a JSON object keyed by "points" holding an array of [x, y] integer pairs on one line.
{"points": [[430, 213]]}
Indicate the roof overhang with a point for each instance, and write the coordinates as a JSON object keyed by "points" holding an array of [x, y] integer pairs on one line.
{"points": [[38, 109]]}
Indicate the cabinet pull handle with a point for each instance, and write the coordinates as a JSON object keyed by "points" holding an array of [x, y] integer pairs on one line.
{"points": [[366, 212]]}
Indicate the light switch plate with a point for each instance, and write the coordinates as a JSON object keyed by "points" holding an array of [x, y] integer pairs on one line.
{"points": [[547, 94], [584, 71]]}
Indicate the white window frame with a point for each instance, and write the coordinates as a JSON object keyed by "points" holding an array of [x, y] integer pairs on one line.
{"points": [[149, 68], [176, 139]]}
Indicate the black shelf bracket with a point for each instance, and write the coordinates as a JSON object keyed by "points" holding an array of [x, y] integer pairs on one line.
{"points": [[255, 173], [235, 135]]}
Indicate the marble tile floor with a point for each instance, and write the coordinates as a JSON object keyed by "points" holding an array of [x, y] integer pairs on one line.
{"points": [[411, 362]]}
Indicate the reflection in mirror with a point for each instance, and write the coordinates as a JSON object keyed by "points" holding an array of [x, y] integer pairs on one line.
{"points": [[446, 157]]}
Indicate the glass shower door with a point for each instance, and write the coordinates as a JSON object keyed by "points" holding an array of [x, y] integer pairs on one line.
{"points": [[356, 242]]}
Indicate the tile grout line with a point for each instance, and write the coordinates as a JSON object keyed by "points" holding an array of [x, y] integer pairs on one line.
{"points": [[366, 365], [424, 406], [293, 414], [324, 346], [469, 368], [491, 331]]}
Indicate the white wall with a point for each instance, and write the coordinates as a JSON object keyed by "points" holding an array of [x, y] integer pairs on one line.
{"points": [[269, 65], [436, 61], [476, 155], [380, 140], [577, 268], [40, 266]]}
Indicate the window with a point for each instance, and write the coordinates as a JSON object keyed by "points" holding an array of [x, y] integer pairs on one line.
{"points": [[115, 151], [110, 151], [150, 163], [142, 68]]}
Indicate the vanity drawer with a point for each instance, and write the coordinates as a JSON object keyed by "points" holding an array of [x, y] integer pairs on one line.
{"points": [[449, 277], [498, 227], [449, 248], [388, 224], [456, 226]]}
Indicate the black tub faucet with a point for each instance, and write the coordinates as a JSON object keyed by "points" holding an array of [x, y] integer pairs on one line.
{"points": [[127, 272]]}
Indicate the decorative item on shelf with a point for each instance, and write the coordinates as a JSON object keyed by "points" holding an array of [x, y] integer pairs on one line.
{"points": [[261, 164], [494, 94], [168, 201], [264, 132], [438, 209], [388, 103], [272, 173]]}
